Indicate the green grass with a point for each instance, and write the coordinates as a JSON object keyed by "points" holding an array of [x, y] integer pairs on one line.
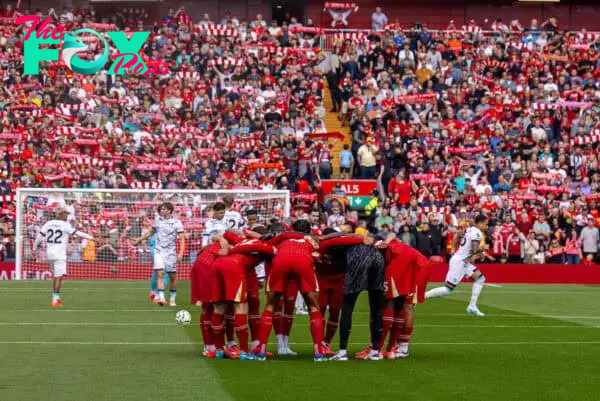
{"points": [[109, 343]]}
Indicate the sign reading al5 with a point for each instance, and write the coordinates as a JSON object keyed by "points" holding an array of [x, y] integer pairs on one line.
{"points": [[127, 49], [351, 187]]}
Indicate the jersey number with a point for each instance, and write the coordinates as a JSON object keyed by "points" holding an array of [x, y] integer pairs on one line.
{"points": [[52, 239], [463, 241], [232, 223]]}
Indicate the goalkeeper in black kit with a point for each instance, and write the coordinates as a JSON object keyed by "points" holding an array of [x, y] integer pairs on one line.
{"points": [[364, 271]]}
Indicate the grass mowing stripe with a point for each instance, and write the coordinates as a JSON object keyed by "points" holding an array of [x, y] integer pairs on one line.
{"points": [[133, 343], [297, 324]]}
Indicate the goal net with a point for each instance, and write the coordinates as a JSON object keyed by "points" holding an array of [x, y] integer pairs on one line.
{"points": [[115, 218]]}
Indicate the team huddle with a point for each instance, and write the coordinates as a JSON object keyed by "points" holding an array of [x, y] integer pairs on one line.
{"points": [[329, 269]]}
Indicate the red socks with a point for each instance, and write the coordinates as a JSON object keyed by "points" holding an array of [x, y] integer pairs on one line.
{"points": [[406, 334], [229, 323], [388, 320], [205, 326], [241, 330], [266, 324], [316, 329], [332, 324], [254, 317], [218, 328]]}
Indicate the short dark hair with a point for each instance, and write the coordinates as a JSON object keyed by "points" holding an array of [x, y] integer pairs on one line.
{"points": [[219, 206], [480, 219], [166, 205], [262, 230], [276, 228], [251, 212], [302, 226], [328, 230]]}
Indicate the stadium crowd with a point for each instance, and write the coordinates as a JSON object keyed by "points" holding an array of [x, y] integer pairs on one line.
{"points": [[452, 123]]}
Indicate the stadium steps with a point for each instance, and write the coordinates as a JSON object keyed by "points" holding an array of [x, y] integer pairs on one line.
{"points": [[333, 124]]}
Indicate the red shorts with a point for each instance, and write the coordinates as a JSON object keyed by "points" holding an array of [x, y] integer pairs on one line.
{"points": [[229, 283], [297, 267], [331, 291], [252, 284], [202, 279], [399, 280], [291, 290]]}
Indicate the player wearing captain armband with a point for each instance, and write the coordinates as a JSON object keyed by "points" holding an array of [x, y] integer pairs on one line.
{"points": [[167, 229], [460, 266], [154, 279], [56, 234]]}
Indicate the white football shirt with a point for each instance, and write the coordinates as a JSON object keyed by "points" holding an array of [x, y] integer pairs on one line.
{"points": [[166, 235], [465, 251], [56, 233], [234, 220], [211, 228]]}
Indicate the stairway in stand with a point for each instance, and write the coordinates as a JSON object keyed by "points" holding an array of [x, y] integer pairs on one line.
{"points": [[333, 124]]}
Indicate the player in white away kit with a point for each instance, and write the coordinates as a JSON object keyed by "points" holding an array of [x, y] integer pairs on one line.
{"points": [[460, 266], [215, 225], [233, 219], [56, 233], [167, 229]]}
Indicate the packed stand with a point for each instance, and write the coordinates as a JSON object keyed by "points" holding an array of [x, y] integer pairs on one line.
{"points": [[240, 107], [500, 119]]}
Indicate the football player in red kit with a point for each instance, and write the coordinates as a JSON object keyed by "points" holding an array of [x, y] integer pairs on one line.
{"points": [[230, 287], [201, 285], [294, 259], [400, 285]]}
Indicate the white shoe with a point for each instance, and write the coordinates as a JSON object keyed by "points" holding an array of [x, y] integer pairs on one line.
{"points": [[374, 356], [172, 303], [474, 310], [288, 351], [339, 357], [401, 355], [301, 312]]}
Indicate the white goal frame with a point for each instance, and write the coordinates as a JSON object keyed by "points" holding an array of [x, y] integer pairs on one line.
{"points": [[22, 192]]}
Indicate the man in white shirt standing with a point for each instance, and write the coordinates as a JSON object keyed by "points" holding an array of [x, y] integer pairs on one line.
{"points": [[56, 234], [167, 229]]}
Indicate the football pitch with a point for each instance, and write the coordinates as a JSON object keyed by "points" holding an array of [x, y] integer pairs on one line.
{"points": [[537, 342]]}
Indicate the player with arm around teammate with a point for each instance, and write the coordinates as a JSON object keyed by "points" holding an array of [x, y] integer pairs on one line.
{"points": [[56, 233], [230, 287], [167, 229], [460, 266]]}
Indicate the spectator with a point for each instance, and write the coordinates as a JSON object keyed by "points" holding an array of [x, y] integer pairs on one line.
{"points": [[425, 241], [378, 19], [407, 236], [590, 237], [384, 219], [515, 244], [531, 248], [346, 162], [367, 160], [573, 249]]}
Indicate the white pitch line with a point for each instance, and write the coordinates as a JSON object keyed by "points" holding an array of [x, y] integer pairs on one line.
{"points": [[166, 309], [142, 324], [67, 289], [559, 342], [493, 285]]}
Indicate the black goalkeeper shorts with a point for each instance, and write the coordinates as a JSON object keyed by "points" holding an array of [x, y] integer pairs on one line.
{"points": [[365, 269]]}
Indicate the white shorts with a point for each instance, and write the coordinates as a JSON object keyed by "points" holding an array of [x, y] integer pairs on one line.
{"points": [[165, 262], [458, 269], [58, 267]]}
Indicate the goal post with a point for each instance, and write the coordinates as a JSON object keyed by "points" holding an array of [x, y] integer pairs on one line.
{"points": [[115, 218]]}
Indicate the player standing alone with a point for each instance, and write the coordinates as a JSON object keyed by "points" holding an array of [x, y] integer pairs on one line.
{"points": [[167, 228], [56, 233], [460, 266]]}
